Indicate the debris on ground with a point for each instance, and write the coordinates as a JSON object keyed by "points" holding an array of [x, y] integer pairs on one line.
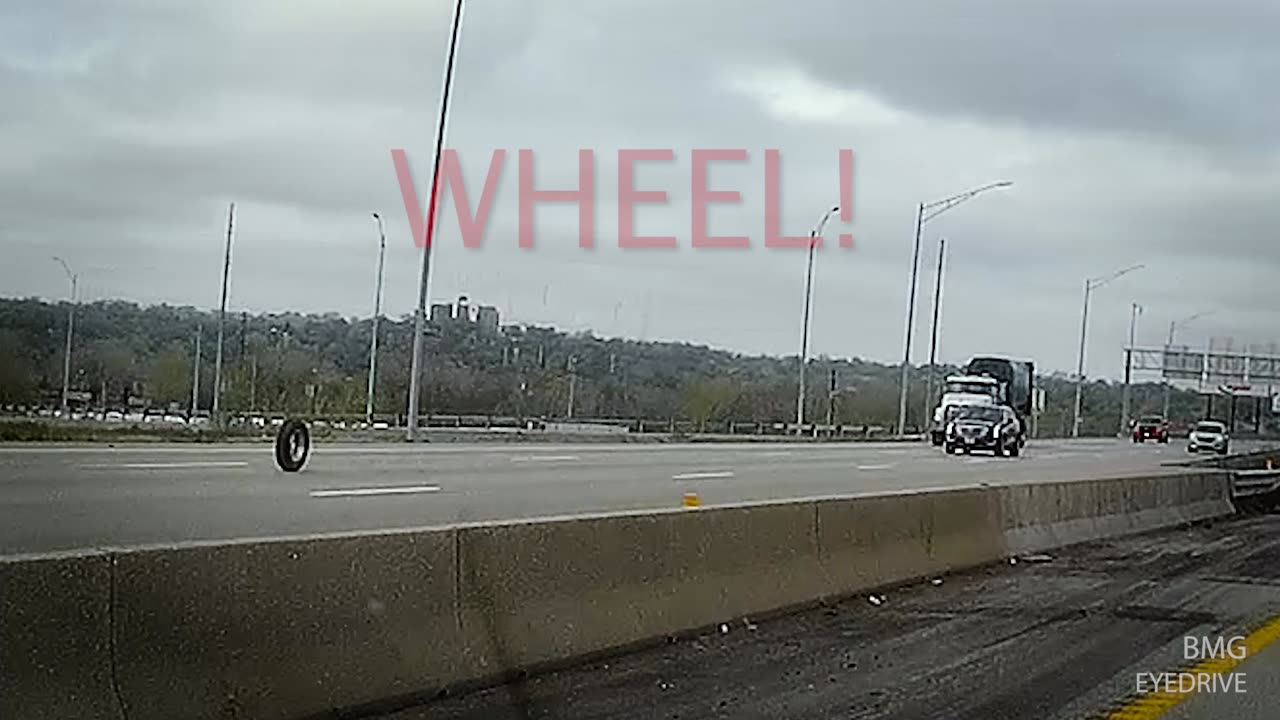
{"points": [[874, 600], [936, 581], [724, 629]]}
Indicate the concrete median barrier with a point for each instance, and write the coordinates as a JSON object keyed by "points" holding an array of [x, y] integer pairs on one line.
{"points": [[55, 638], [1045, 516], [538, 592], [867, 542], [285, 629], [313, 627]]}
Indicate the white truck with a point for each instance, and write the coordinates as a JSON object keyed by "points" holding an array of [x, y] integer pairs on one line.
{"points": [[962, 390]]}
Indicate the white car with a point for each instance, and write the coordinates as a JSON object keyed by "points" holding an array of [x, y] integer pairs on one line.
{"points": [[1209, 435]]}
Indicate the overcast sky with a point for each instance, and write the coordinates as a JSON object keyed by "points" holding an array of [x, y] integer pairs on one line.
{"points": [[1135, 132]]}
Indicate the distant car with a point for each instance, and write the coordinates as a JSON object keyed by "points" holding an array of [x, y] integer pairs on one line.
{"points": [[1151, 427], [983, 427], [1209, 436]]}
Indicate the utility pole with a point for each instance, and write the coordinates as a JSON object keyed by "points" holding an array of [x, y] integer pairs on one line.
{"points": [[420, 319], [195, 376], [1128, 369], [222, 319], [253, 384], [831, 401], [933, 330]]}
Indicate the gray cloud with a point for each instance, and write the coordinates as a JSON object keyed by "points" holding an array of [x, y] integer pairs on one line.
{"points": [[1135, 133]]}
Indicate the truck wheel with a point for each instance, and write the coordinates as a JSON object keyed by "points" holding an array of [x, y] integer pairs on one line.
{"points": [[936, 439], [998, 448], [1014, 450], [293, 445]]}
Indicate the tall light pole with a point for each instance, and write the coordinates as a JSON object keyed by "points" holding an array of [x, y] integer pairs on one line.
{"points": [[573, 384], [814, 234], [377, 315], [222, 317], [420, 318], [1128, 368], [195, 375], [933, 328], [71, 323], [1089, 286], [924, 213], [1173, 327]]}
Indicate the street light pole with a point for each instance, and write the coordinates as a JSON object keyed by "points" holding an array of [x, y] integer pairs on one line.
{"points": [[924, 213], [1128, 368], [222, 316], [195, 375], [1173, 326], [420, 318], [71, 323], [1089, 286], [814, 234], [911, 321], [377, 315], [933, 330]]}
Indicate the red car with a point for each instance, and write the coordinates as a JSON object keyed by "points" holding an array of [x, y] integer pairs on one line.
{"points": [[1151, 427]]}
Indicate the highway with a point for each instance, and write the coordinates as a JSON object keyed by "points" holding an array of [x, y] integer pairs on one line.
{"points": [[55, 498]]}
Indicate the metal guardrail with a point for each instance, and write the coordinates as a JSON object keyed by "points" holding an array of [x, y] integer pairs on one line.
{"points": [[1254, 483]]}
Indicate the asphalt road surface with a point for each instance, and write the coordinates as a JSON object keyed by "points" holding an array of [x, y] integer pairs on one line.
{"points": [[1068, 635], [72, 497]]}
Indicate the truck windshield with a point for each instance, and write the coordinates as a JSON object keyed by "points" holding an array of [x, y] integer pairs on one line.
{"points": [[971, 388]]}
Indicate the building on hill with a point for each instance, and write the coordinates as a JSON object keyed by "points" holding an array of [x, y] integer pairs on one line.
{"points": [[441, 314], [487, 319]]}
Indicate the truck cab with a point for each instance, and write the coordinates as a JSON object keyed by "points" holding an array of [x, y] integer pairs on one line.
{"points": [[961, 390]]}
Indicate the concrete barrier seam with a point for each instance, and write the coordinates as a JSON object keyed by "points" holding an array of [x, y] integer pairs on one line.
{"points": [[111, 637]]}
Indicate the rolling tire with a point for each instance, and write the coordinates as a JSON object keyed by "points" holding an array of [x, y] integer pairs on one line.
{"points": [[293, 445], [1015, 450], [998, 448]]}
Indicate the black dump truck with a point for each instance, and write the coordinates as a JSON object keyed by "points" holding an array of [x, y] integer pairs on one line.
{"points": [[1017, 385]]}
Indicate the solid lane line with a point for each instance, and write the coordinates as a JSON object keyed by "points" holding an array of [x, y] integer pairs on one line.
{"points": [[703, 475], [545, 458], [168, 466], [885, 466], [373, 491]]}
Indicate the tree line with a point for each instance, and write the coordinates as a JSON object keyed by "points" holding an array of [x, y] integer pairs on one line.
{"points": [[128, 355]]}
